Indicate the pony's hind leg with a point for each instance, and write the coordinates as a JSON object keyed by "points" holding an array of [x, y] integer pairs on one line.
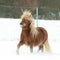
{"points": [[41, 48]]}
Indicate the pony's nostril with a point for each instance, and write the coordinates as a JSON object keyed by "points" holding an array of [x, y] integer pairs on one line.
{"points": [[21, 23]]}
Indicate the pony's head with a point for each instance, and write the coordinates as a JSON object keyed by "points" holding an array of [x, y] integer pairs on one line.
{"points": [[28, 22]]}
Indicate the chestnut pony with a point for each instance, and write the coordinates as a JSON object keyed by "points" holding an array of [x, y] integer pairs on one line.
{"points": [[32, 36]]}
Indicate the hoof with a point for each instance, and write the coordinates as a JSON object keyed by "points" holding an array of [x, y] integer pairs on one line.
{"points": [[17, 51]]}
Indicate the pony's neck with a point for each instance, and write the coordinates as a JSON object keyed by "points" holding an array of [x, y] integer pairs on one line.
{"points": [[27, 31], [34, 31]]}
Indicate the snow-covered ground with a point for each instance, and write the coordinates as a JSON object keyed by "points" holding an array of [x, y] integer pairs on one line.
{"points": [[9, 36]]}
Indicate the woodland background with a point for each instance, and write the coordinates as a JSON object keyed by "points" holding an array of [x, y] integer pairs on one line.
{"points": [[47, 9]]}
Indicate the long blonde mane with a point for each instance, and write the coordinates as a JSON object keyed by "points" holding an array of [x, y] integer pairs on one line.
{"points": [[28, 16]]}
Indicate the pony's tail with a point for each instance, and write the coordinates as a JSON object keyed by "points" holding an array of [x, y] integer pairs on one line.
{"points": [[47, 46]]}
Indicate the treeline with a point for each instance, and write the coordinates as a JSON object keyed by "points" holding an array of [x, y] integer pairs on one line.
{"points": [[47, 9]]}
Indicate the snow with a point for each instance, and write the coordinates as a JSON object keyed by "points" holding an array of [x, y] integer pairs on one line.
{"points": [[9, 37]]}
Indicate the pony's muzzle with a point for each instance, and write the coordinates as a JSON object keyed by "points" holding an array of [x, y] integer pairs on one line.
{"points": [[21, 23]]}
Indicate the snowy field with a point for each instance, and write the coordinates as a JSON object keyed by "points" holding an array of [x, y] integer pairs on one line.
{"points": [[9, 36]]}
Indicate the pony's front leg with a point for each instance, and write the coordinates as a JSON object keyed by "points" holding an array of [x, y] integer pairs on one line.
{"points": [[31, 48], [18, 46]]}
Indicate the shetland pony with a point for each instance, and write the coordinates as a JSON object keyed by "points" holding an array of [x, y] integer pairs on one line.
{"points": [[32, 36]]}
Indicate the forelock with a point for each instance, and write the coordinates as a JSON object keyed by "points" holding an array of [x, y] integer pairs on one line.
{"points": [[27, 16]]}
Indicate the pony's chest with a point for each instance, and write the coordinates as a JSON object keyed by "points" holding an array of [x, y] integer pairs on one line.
{"points": [[27, 39]]}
